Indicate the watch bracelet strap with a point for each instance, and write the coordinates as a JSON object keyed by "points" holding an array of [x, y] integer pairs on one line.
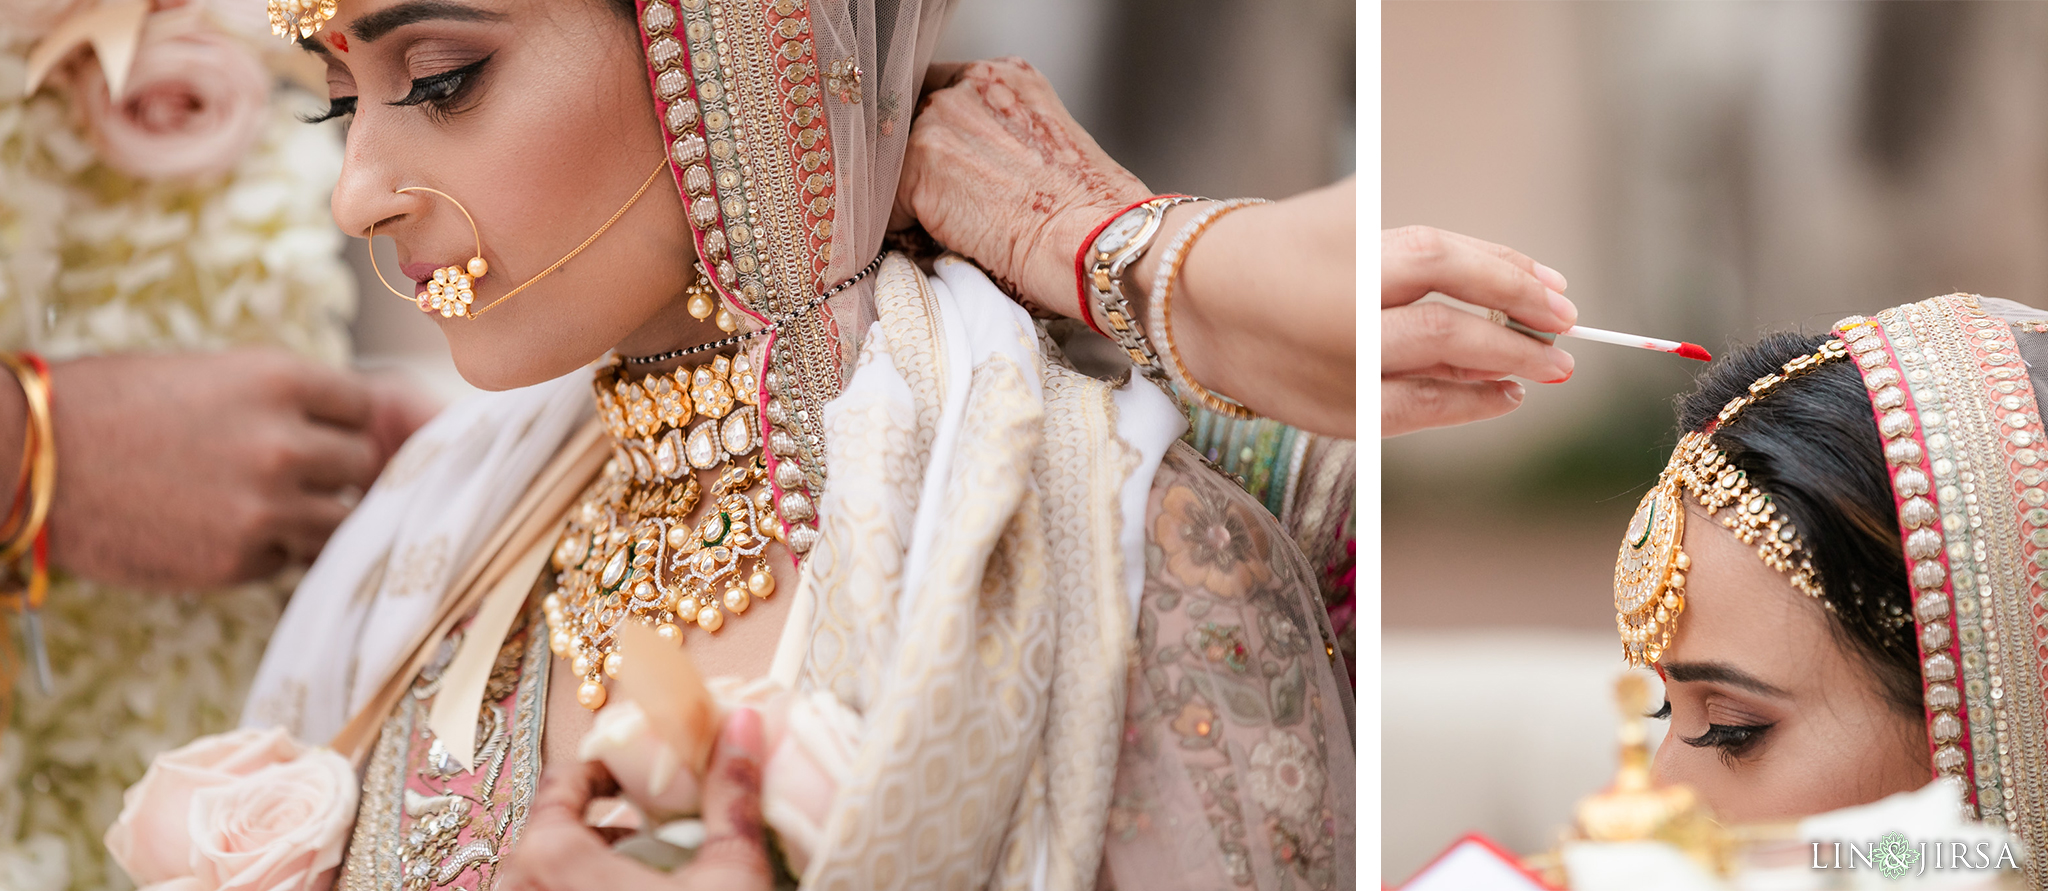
{"points": [[1126, 330], [1081, 290]]}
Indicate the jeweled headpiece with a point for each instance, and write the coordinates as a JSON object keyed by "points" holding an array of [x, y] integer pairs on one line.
{"points": [[296, 19], [1649, 573]]}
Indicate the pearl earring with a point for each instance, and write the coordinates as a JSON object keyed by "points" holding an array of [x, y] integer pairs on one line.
{"points": [[702, 299], [703, 302]]}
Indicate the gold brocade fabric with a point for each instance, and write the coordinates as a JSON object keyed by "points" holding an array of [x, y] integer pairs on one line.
{"points": [[1003, 690], [1006, 753]]}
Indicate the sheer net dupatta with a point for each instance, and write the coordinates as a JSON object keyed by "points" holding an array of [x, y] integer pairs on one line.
{"points": [[1956, 387]]}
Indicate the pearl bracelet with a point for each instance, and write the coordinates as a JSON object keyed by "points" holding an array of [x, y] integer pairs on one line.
{"points": [[1161, 327]]}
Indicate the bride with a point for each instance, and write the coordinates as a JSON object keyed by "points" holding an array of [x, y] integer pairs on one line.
{"points": [[1073, 651], [1841, 573]]}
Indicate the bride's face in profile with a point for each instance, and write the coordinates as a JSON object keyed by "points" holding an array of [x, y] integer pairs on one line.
{"points": [[536, 115], [1772, 717]]}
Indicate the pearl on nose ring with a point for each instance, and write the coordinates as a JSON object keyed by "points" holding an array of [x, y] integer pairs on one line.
{"points": [[452, 290]]}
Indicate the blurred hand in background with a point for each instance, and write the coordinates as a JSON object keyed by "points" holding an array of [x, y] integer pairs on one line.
{"points": [[188, 471]]}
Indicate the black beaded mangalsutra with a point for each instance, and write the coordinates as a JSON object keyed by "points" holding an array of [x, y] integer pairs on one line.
{"points": [[724, 342]]}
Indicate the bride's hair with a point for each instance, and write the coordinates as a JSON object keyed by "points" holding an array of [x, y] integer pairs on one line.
{"points": [[1812, 444]]}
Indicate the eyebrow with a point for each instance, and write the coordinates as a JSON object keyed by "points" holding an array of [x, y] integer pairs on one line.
{"points": [[313, 46], [384, 21], [1723, 673]]}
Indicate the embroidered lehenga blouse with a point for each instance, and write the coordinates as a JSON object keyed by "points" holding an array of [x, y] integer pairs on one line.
{"points": [[1080, 657]]}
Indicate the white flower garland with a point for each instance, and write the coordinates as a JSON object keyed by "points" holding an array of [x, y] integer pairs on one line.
{"points": [[98, 262]]}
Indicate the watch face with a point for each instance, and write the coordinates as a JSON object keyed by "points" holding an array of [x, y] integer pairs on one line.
{"points": [[1119, 232]]}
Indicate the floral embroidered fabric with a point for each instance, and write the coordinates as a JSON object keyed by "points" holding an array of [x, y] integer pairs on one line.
{"points": [[1236, 769], [1309, 482], [426, 823]]}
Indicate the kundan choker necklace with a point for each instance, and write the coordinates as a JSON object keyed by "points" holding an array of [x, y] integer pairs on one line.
{"points": [[630, 552]]}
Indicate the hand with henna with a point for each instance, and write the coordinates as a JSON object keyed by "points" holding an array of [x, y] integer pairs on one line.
{"points": [[1264, 307], [557, 852], [998, 171]]}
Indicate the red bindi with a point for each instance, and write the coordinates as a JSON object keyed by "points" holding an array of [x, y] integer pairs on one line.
{"points": [[338, 40]]}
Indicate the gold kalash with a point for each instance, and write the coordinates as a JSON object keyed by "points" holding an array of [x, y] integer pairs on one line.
{"points": [[630, 552], [1649, 574]]}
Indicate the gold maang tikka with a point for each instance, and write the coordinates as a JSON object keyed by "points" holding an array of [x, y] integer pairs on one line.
{"points": [[1649, 573], [452, 290], [297, 19]]}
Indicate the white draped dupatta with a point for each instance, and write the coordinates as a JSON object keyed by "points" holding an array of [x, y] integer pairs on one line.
{"points": [[971, 598]]}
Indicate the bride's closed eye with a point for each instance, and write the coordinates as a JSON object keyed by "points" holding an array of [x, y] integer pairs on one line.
{"points": [[336, 107], [443, 93], [1734, 740]]}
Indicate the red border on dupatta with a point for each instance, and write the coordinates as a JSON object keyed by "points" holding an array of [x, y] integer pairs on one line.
{"points": [[819, 227], [1925, 465]]}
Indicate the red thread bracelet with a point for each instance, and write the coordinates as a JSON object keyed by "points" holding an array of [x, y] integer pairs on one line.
{"points": [[1081, 259]]}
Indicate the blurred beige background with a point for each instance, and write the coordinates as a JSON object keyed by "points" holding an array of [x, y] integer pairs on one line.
{"points": [[1702, 171]]}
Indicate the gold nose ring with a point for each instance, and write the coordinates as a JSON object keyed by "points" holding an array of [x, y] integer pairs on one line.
{"points": [[453, 288]]}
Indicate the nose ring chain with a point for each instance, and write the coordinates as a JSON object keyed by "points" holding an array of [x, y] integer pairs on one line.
{"points": [[452, 290]]}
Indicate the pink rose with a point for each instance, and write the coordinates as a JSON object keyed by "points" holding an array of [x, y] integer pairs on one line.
{"points": [[811, 741], [249, 809], [194, 104], [649, 769], [25, 20]]}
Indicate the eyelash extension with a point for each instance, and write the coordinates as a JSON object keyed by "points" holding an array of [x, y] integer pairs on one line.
{"points": [[441, 90], [1663, 713], [1734, 740], [336, 107]]}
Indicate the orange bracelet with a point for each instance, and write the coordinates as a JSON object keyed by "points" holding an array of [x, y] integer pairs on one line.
{"points": [[39, 459]]}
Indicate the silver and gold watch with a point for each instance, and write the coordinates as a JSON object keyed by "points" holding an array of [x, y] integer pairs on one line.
{"points": [[1121, 243]]}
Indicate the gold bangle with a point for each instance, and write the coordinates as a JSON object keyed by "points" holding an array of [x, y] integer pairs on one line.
{"points": [[42, 443], [1162, 295], [17, 513]]}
